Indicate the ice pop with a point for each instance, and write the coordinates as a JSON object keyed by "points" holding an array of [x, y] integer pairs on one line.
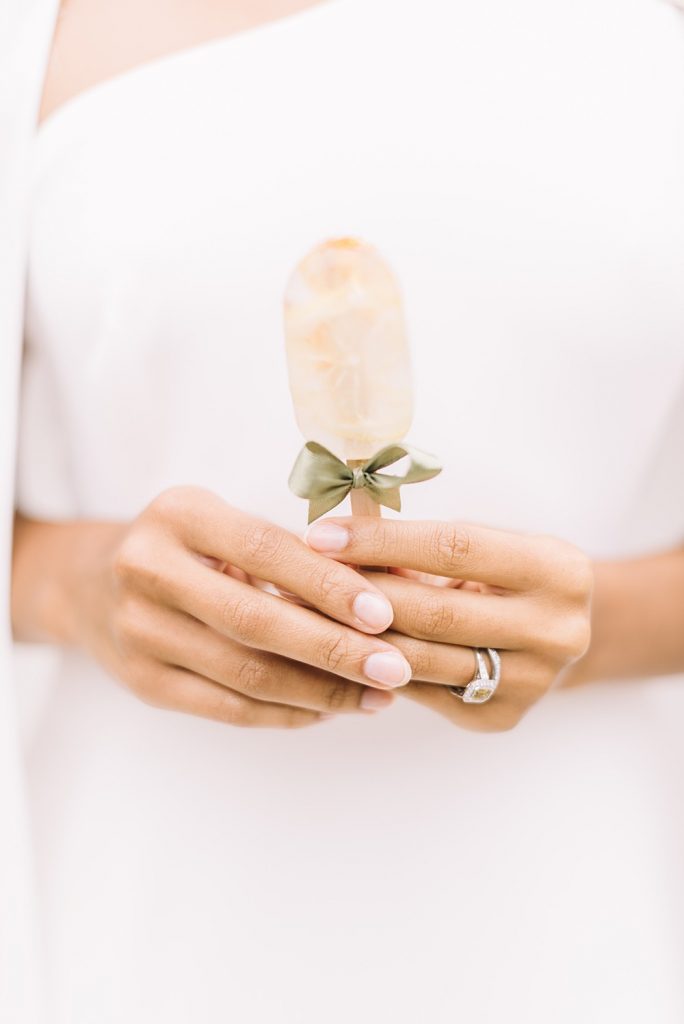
{"points": [[347, 352], [350, 373]]}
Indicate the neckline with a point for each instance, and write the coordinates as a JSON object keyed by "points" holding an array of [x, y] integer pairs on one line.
{"points": [[210, 47]]}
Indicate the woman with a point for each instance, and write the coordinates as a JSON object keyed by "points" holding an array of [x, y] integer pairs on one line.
{"points": [[520, 166]]}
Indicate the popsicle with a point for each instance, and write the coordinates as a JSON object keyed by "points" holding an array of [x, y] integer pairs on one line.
{"points": [[348, 354]]}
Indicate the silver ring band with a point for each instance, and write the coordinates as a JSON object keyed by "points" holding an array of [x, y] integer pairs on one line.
{"points": [[482, 686]]}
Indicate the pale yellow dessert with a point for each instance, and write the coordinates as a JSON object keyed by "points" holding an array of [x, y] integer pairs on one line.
{"points": [[347, 350]]}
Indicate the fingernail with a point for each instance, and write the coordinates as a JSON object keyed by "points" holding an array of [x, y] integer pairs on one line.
{"points": [[376, 700], [327, 537], [373, 610], [388, 668]]}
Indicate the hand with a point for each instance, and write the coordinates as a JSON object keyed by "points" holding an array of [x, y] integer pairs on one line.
{"points": [[166, 605], [527, 596]]}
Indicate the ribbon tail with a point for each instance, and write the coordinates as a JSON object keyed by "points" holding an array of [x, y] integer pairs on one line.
{"points": [[390, 497], [319, 504]]}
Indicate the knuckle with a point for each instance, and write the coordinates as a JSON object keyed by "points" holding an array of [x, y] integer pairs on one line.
{"points": [[336, 695], [378, 543], [581, 638], [252, 678], [425, 664], [334, 651], [172, 504], [133, 563], [242, 618], [571, 641], [434, 616], [450, 545], [262, 544], [326, 584], [548, 546], [232, 709], [146, 686], [130, 627], [576, 637], [296, 718], [578, 575], [127, 559], [572, 572]]}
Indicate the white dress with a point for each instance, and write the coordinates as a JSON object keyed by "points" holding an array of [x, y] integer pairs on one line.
{"points": [[521, 166]]}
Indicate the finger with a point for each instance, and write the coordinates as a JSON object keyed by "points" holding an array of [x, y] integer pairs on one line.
{"points": [[261, 620], [272, 553], [425, 577], [524, 677], [176, 689], [499, 714], [448, 616], [455, 665], [463, 551], [524, 680], [190, 644]]}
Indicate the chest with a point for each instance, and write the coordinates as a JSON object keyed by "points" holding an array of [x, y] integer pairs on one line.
{"points": [[520, 169]]}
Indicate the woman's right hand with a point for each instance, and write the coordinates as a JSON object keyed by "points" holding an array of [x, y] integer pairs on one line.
{"points": [[166, 604]]}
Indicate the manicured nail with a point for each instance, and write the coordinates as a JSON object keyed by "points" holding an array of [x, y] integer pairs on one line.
{"points": [[373, 610], [388, 668], [375, 700], [327, 537]]}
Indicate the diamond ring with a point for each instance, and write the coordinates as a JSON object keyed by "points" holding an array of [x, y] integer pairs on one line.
{"points": [[482, 686]]}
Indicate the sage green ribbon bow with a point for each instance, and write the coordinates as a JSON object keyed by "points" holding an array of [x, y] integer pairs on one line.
{"points": [[326, 481]]}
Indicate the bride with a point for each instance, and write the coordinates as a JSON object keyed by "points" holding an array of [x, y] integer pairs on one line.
{"points": [[361, 850]]}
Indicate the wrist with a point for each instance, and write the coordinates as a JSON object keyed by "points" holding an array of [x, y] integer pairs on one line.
{"points": [[57, 578], [637, 621]]}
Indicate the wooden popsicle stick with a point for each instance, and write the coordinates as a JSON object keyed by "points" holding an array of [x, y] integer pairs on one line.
{"points": [[363, 505]]}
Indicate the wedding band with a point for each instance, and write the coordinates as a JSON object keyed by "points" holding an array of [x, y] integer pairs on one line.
{"points": [[482, 686]]}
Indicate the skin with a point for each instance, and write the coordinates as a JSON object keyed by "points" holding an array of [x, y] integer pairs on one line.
{"points": [[173, 604], [97, 39], [463, 586]]}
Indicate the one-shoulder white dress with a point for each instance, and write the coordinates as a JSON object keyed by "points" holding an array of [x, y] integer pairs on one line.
{"points": [[521, 166]]}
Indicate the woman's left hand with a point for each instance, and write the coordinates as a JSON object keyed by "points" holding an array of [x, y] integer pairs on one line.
{"points": [[470, 586]]}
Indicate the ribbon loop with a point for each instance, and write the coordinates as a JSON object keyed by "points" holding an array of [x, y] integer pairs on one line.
{"points": [[326, 480]]}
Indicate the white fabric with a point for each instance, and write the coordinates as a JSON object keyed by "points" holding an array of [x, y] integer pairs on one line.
{"points": [[25, 32], [520, 164]]}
